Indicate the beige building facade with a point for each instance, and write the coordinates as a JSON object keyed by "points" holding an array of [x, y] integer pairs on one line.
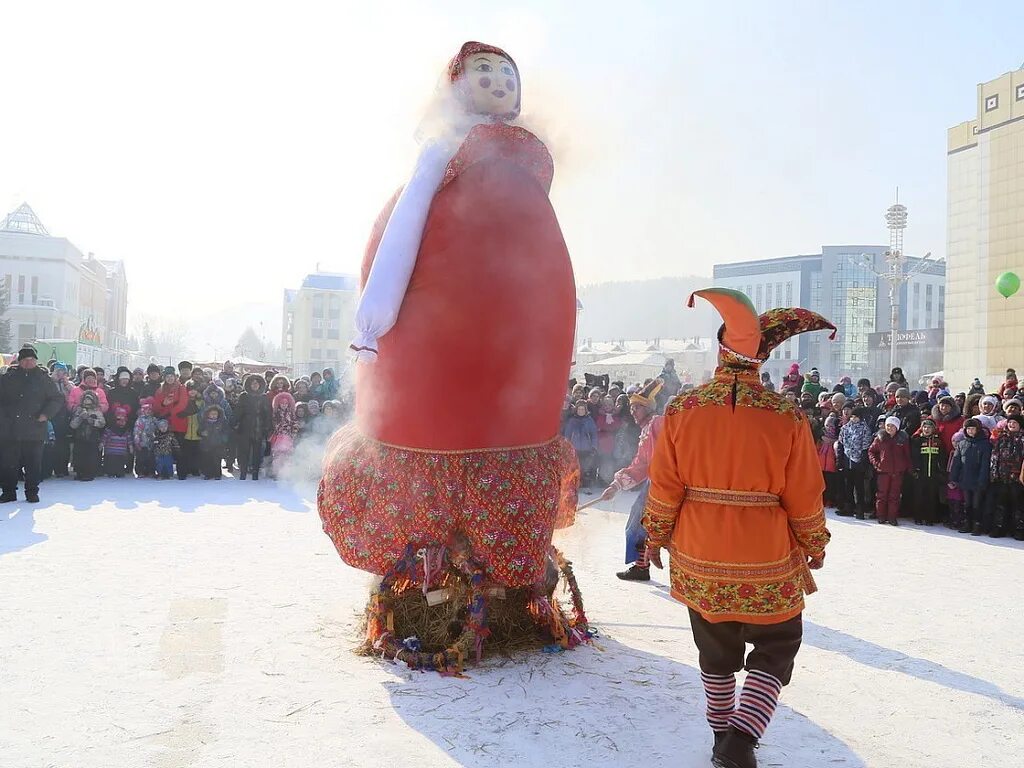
{"points": [[319, 322], [985, 235]]}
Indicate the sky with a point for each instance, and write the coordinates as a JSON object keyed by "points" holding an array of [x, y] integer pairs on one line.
{"points": [[224, 150]]}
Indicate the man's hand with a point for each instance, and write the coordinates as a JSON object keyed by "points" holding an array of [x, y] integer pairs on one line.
{"points": [[654, 555], [609, 493]]}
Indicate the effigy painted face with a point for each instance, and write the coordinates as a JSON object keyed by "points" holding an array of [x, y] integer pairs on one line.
{"points": [[492, 83]]}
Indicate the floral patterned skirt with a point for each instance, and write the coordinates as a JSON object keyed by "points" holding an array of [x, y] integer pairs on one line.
{"points": [[375, 500]]}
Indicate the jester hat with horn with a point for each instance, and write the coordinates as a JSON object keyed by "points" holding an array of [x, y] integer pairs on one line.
{"points": [[746, 340]]}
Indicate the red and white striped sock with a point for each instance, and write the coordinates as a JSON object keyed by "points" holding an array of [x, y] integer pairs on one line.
{"points": [[758, 699], [643, 561], [720, 691]]}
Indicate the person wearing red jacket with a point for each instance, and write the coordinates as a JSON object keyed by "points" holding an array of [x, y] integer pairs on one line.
{"points": [[890, 456], [170, 401]]}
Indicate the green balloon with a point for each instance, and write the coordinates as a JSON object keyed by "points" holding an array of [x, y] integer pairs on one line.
{"points": [[1008, 284]]}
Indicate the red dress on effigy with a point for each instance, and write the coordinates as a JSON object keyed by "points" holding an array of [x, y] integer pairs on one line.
{"points": [[457, 422]]}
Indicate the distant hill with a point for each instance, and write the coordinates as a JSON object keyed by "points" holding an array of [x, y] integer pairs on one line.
{"points": [[646, 309]]}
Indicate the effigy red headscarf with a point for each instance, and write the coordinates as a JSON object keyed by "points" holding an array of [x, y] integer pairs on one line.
{"points": [[457, 70]]}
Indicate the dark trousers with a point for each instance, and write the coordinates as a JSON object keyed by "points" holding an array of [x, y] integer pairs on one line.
{"points": [[115, 464], [887, 500], [87, 460], [250, 455], [588, 467], [856, 495], [1006, 506], [188, 458], [974, 506], [19, 455], [722, 646], [164, 466], [61, 455], [928, 492], [210, 460], [144, 465]]}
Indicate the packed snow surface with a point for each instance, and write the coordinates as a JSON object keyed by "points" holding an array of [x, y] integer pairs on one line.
{"points": [[173, 624]]}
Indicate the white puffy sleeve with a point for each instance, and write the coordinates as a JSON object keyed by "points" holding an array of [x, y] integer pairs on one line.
{"points": [[393, 263]]}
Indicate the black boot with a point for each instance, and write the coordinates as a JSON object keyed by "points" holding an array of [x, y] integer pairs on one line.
{"points": [[635, 573], [859, 515], [32, 497], [719, 737], [255, 474], [977, 530], [735, 750], [241, 475], [8, 496]]}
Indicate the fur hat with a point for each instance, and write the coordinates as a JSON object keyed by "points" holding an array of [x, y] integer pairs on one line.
{"points": [[27, 351], [645, 396]]}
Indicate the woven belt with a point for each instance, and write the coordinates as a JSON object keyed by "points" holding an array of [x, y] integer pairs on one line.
{"points": [[732, 498]]}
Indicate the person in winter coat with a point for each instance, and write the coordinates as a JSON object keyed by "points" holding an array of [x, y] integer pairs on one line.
{"points": [[792, 381], [854, 440], [929, 460], [87, 426], [896, 377], [214, 436], [154, 378], [165, 448], [117, 442], [277, 386], [908, 413], [1010, 388], [188, 458], [977, 388], [302, 391], [827, 460], [609, 424], [581, 431], [890, 456], [28, 400], [948, 421], [89, 383], [232, 391], [138, 381], [813, 384], [252, 421], [282, 436], [226, 372], [122, 394], [970, 472], [170, 401], [142, 439], [214, 395], [61, 422], [1004, 512]]}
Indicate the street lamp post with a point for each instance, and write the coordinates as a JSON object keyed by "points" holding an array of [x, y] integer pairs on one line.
{"points": [[895, 273]]}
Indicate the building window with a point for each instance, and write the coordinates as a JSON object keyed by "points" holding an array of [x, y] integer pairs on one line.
{"points": [[1020, 92], [333, 333], [778, 294], [35, 290], [21, 289], [760, 297], [992, 102], [789, 294], [318, 333], [316, 353], [318, 306]]}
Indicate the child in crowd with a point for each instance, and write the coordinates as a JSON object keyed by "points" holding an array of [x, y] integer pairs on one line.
{"points": [[1007, 494], [890, 456], [165, 447], [232, 392], [969, 472], [117, 442], [854, 440], [609, 424], [581, 431], [282, 438], [214, 436], [929, 460], [827, 459], [87, 425], [142, 439], [302, 422]]}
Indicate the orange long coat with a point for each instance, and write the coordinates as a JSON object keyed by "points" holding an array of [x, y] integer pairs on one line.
{"points": [[737, 563]]}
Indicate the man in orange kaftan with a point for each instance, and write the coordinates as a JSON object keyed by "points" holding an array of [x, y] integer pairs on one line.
{"points": [[736, 496]]}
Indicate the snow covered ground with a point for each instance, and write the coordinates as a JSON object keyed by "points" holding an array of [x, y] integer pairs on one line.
{"points": [[166, 624]]}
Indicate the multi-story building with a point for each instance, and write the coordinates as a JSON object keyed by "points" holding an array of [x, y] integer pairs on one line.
{"points": [[319, 322], [842, 284], [985, 234], [54, 292]]}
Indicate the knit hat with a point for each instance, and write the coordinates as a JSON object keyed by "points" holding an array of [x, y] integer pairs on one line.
{"points": [[1018, 419], [27, 351], [928, 420], [1013, 401], [861, 413], [170, 370], [972, 422], [894, 421], [990, 399], [153, 368], [903, 392], [60, 367]]}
